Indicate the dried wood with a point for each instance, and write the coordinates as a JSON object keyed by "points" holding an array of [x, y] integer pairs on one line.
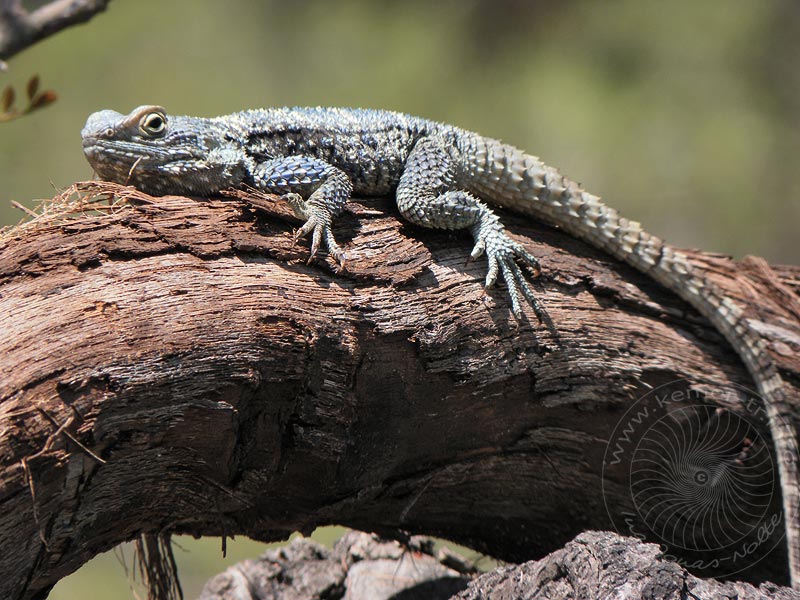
{"points": [[173, 365]]}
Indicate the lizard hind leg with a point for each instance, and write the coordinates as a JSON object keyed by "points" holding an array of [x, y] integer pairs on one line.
{"points": [[427, 195]]}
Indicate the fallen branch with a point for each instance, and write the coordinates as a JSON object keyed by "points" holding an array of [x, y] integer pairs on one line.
{"points": [[174, 366]]}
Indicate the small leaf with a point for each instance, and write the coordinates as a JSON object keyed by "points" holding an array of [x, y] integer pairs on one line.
{"points": [[43, 99], [33, 86], [7, 98]]}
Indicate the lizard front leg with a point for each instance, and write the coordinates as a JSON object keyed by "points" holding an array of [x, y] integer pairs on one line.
{"points": [[428, 195], [326, 190]]}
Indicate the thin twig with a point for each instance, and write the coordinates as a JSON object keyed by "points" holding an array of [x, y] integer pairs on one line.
{"points": [[63, 430], [24, 209]]}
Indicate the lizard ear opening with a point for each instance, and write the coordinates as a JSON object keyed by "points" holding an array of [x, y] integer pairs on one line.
{"points": [[153, 124]]}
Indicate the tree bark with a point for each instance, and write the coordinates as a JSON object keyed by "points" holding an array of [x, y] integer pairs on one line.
{"points": [[361, 567], [173, 365]]}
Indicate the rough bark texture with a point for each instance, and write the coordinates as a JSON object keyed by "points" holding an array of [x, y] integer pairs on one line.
{"points": [[174, 365], [361, 567]]}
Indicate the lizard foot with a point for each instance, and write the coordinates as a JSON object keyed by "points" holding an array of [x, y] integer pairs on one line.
{"points": [[505, 256], [318, 223]]}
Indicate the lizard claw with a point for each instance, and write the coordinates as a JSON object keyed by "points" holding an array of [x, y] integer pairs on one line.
{"points": [[318, 224], [505, 256], [478, 249], [519, 288], [320, 229]]}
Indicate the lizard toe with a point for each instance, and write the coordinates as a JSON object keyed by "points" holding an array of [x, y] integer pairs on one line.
{"points": [[333, 248], [513, 289], [513, 261], [494, 268], [478, 249], [319, 226]]}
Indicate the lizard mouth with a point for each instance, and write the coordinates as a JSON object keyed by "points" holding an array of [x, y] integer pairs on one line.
{"points": [[102, 160], [117, 161], [90, 150]]}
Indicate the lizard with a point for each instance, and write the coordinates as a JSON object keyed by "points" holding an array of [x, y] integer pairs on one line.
{"points": [[442, 177]]}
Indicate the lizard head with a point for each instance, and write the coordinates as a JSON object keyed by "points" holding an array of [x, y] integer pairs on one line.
{"points": [[159, 154]]}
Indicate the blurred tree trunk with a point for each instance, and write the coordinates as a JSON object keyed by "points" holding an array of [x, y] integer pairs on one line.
{"points": [[174, 366]]}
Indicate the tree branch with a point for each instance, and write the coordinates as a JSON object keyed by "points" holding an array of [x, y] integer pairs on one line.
{"points": [[174, 366], [20, 28]]}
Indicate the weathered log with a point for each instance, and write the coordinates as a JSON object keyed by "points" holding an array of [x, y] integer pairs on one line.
{"points": [[174, 365], [362, 567]]}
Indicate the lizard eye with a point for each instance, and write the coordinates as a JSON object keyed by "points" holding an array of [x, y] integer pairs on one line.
{"points": [[153, 123]]}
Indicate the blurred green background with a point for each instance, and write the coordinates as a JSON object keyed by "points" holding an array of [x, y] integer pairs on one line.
{"points": [[684, 115]]}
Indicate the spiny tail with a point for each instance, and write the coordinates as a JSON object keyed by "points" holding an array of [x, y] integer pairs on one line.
{"points": [[508, 177]]}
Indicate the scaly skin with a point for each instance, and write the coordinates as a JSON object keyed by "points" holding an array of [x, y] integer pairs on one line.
{"points": [[443, 177]]}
